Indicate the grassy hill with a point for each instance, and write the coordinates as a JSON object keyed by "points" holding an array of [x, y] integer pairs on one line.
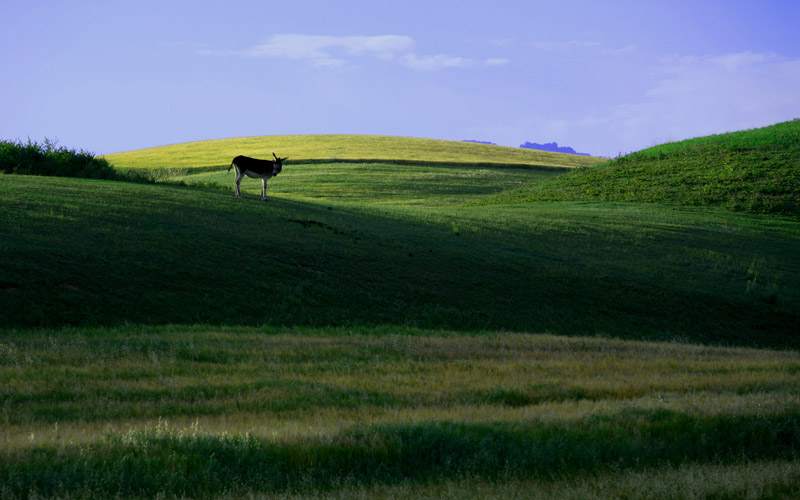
{"points": [[346, 148], [754, 170]]}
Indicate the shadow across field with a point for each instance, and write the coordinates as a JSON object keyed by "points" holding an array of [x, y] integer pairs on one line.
{"points": [[118, 253]]}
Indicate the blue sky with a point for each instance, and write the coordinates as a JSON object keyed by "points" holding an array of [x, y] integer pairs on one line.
{"points": [[602, 77]]}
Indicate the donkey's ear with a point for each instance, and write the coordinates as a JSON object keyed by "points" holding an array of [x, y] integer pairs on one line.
{"points": [[273, 155]]}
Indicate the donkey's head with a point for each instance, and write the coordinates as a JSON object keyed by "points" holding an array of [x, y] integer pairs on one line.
{"points": [[277, 164]]}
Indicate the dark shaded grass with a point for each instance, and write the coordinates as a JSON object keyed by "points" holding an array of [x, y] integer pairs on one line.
{"points": [[147, 463], [79, 252]]}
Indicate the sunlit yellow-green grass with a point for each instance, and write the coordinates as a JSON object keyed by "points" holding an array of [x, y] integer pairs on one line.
{"points": [[304, 148], [346, 409]]}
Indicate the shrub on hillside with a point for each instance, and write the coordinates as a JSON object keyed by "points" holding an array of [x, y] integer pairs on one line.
{"points": [[32, 158]]}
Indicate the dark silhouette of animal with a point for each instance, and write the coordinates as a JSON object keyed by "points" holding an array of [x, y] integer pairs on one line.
{"points": [[257, 169]]}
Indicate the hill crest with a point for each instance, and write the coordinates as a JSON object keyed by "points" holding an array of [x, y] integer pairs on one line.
{"points": [[343, 148]]}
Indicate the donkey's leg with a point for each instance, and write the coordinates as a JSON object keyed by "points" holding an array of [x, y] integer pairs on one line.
{"points": [[264, 189], [236, 184]]}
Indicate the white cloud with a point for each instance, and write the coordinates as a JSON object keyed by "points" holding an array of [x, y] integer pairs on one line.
{"points": [[337, 52]]}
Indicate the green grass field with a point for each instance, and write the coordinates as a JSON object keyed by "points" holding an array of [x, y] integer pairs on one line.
{"points": [[386, 328]]}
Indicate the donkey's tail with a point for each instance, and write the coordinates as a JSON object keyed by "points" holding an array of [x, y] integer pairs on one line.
{"points": [[229, 168]]}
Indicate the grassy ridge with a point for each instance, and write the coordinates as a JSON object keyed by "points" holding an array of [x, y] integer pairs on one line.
{"points": [[754, 171], [371, 148], [203, 411]]}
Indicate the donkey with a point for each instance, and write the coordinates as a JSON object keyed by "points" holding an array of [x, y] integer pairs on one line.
{"points": [[252, 167]]}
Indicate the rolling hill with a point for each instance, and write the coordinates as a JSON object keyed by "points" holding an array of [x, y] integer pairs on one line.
{"points": [[753, 170], [343, 148]]}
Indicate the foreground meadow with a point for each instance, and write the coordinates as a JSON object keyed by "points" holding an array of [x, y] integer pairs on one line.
{"points": [[205, 412]]}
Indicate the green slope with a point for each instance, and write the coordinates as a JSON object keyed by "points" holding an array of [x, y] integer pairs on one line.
{"points": [[88, 252], [358, 148], [754, 170]]}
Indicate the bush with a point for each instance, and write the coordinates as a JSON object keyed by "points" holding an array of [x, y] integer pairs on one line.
{"points": [[32, 158]]}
